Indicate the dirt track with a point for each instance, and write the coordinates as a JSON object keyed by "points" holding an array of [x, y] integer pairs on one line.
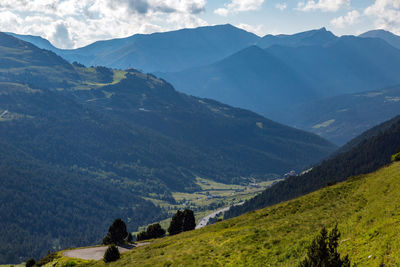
{"points": [[96, 253]]}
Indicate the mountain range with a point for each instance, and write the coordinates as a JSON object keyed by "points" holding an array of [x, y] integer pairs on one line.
{"points": [[117, 135], [389, 37], [278, 77], [169, 51], [271, 75]]}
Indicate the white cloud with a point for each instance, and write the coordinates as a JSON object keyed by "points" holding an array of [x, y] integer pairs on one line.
{"points": [[349, 19], [250, 28], [281, 6], [236, 6], [386, 14], [74, 23], [323, 5]]}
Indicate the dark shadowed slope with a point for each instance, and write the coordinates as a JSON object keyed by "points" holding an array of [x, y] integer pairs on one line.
{"points": [[364, 157], [44, 207]]}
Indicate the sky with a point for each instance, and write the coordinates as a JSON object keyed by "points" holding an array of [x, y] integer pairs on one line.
{"points": [[76, 23]]}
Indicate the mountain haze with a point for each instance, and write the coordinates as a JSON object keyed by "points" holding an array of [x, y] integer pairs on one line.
{"points": [[167, 51], [387, 36], [342, 118], [273, 79], [307, 38]]}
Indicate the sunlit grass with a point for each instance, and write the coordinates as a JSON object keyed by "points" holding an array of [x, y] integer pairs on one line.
{"points": [[366, 209]]}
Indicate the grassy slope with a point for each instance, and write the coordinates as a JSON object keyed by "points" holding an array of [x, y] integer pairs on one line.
{"points": [[364, 208]]}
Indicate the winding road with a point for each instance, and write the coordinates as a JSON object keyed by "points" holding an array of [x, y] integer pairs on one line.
{"points": [[204, 221], [97, 253]]}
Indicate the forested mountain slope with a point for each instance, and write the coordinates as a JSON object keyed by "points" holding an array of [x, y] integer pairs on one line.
{"points": [[47, 208], [373, 152]]}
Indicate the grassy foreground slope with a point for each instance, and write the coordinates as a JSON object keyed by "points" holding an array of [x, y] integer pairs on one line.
{"points": [[364, 207]]}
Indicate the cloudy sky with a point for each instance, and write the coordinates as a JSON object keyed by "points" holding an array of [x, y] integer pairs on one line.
{"points": [[75, 23]]}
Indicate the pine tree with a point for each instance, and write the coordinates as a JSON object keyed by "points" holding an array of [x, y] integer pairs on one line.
{"points": [[176, 224], [189, 222], [111, 254], [323, 251], [116, 233]]}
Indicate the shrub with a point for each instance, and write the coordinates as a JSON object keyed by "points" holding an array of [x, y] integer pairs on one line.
{"points": [[111, 254], [30, 263], [396, 157], [49, 258], [153, 231]]}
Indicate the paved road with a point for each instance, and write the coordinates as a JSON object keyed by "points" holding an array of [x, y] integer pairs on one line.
{"points": [[96, 253], [204, 221]]}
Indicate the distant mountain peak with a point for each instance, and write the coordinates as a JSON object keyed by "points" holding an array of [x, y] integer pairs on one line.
{"points": [[312, 37], [389, 37]]}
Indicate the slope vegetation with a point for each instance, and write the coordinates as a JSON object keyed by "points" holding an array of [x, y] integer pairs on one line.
{"points": [[368, 154], [363, 207]]}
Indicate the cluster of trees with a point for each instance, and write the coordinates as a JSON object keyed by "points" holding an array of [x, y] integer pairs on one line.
{"points": [[368, 154], [182, 221], [152, 231], [117, 234], [323, 251]]}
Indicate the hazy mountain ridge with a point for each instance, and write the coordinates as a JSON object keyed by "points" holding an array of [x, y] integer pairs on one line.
{"points": [[342, 118], [168, 51], [282, 76], [307, 38], [389, 37]]}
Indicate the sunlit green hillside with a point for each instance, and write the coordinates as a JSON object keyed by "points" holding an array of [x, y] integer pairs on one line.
{"points": [[366, 209]]}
